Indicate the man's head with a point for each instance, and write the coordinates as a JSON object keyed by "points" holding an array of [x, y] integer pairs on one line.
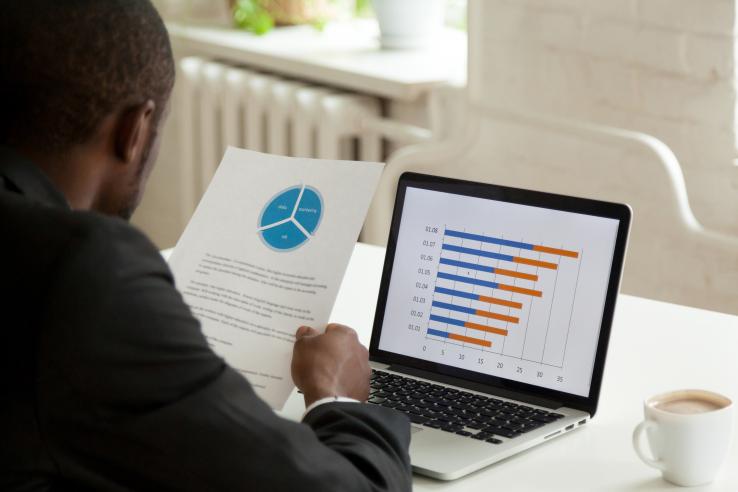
{"points": [[84, 86]]}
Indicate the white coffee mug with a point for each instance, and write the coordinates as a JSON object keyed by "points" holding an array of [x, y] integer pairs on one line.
{"points": [[689, 434]]}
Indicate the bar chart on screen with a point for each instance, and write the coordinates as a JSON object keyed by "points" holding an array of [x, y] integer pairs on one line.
{"points": [[496, 303], [499, 295], [499, 288]]}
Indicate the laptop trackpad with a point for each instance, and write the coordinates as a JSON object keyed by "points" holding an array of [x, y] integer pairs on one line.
{"points": [[442, 453]]}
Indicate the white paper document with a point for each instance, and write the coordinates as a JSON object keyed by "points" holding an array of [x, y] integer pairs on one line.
{"points": [[265, 253]]}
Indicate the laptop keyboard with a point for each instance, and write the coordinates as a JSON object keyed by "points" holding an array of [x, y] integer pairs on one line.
{"points": [[467, 414]]}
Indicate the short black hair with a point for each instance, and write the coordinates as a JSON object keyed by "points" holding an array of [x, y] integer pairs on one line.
{"points": [[66, 64]]}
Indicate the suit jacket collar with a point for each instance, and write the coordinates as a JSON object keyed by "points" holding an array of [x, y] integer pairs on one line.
{"points": [[24, 177]]}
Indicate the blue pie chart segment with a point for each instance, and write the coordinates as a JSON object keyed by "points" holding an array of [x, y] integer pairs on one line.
{"points": [[280, 207], [285, 224], [284, 237], [309, 210]]}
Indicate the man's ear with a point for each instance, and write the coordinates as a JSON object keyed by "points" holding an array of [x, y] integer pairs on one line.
{"points": [[133, 131]]}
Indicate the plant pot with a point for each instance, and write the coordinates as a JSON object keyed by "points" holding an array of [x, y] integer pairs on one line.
{"points": [[260, 16], [294, 12], [408, 24]]}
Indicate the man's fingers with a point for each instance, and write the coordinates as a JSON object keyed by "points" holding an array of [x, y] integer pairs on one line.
{"points": [[334, 326], [305, 331], [339, 327]]}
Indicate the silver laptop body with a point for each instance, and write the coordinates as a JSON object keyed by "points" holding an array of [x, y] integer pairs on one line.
{"points": [[493, 317]]}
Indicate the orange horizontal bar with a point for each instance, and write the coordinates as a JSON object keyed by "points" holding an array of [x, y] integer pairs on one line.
{"points": [[528, 261], [513, 273], [501, 317], [520, 290], [488, 329], [556, 251], [501, 302], [475, 341]]}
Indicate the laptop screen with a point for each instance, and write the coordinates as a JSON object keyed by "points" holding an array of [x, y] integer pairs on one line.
{"points": [[499, 288]]}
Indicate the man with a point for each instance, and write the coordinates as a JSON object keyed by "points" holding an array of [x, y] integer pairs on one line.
{"points": [[106, 381]]}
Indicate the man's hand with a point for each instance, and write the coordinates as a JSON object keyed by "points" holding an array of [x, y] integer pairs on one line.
{"points": [[333, 363]]}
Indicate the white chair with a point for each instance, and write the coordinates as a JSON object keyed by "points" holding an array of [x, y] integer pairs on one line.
{"points": [[671, 256]]}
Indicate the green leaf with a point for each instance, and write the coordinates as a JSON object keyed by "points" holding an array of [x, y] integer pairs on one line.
{"points": [[319, 24], [262, 23], [252, 16]]}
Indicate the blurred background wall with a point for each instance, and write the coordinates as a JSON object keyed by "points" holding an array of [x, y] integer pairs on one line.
{"points": [[542, 74]]}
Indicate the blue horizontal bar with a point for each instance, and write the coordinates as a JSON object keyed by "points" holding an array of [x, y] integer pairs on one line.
{"points": [[477, 252], [448, 321], [487, 239], [458, 293], [438, 333], [454, 307], [464, 264], [468, 280]]}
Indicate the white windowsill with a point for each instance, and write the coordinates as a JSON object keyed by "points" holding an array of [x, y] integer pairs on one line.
{"points": [[345, 54]]}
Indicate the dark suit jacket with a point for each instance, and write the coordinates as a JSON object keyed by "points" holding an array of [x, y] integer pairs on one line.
{"points": [[107, 383]]}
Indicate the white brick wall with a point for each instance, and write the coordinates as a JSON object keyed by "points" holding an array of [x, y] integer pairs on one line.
{"points": [[665, 67]]}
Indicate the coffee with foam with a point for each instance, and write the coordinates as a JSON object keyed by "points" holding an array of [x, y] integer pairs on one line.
{"points": [[688, 406], [689, 402]]}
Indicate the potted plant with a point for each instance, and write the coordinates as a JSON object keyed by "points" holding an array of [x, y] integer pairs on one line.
{"points": [[260, 16]]}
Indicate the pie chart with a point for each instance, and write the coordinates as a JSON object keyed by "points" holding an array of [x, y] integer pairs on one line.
{"points": [[291, 218]]}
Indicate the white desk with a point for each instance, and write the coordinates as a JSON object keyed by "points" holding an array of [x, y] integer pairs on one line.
{"points": [[655, 347]]}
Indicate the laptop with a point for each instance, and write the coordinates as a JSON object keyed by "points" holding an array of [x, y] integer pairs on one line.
{"points": [[493, 317]]}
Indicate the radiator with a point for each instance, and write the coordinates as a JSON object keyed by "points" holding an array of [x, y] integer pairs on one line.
{"points": [[220, 105]]}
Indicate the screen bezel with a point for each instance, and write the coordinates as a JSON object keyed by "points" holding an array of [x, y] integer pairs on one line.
{"points": [[618, 211]]}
